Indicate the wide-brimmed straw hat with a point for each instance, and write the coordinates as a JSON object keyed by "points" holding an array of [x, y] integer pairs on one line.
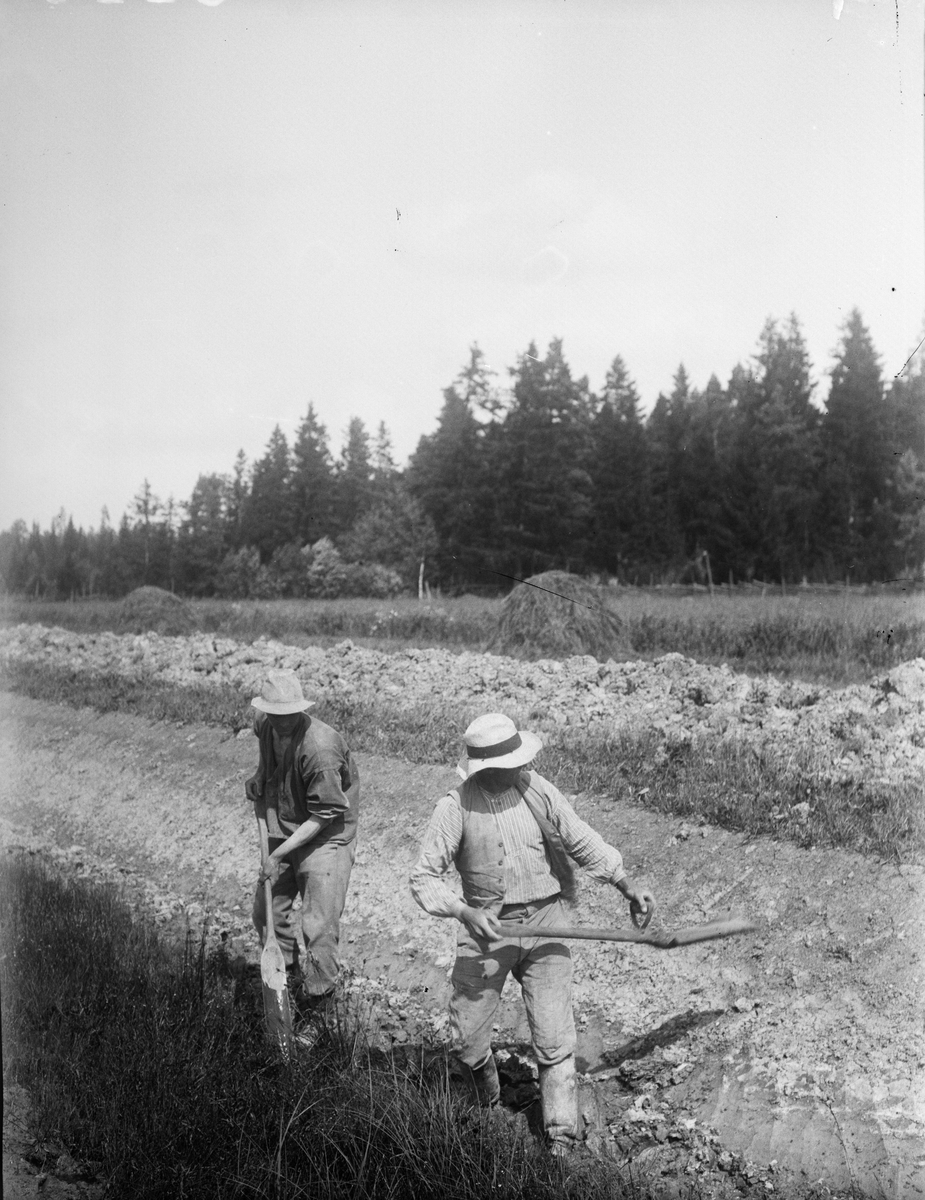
{"points": [[281, 694], [495, 741]]}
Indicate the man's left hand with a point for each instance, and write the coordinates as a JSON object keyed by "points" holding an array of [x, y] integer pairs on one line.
{"points": [[270, 870]]}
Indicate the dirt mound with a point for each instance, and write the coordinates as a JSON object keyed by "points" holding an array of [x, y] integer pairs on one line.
{"points": [[554, 615], [152, 610], [873, 732]]}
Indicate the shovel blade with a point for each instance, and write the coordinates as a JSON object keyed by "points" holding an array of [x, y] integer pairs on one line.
{"points": [[279, 1019], [276, 1006], [273, 966], [731, 927]]}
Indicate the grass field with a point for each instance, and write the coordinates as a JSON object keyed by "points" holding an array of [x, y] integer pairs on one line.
{"points": [[837, 636], [151, 1069]]}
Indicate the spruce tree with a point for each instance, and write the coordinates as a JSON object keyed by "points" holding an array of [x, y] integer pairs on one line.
{"points": [[268, 518], [312, 482], [620, 474], [447, 475], [539, 457], [773, 479], [855, 443], [354, 476]]}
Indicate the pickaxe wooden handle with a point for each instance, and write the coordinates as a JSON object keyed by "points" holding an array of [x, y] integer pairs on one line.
{"points": [[731, 927]]}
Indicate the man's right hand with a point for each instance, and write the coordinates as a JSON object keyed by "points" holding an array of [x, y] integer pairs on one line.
{"points": [[481, 923], [253, 788]]}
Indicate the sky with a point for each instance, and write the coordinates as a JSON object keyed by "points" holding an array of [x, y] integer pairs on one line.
{"points": [[215, 213]]}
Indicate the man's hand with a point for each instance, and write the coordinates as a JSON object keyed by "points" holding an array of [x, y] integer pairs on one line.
{"points": [[270, 869], [253, 788], [481, 923], [640, 898]]}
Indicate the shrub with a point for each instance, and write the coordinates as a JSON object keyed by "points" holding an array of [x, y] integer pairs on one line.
{"points": [[330, 578]]}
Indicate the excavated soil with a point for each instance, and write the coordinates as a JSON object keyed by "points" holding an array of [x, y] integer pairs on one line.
{"points": [[790, 1058]]}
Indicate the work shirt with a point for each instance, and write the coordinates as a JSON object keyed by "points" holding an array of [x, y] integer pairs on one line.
{"points": [[527, 873], [331, 782]]}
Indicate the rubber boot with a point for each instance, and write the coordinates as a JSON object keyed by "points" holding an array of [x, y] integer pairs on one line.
{"points": [[559, 1100], [484, 1083]]}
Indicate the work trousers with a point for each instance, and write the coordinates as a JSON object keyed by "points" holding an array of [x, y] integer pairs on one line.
{"points": [[542, 967], [320, 874]]}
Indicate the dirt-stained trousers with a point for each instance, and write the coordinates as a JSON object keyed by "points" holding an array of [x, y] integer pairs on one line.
{"points": [[543, 968], [320, 874]]}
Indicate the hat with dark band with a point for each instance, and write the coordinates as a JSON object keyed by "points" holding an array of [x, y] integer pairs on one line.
{"points": [[495, 741]]}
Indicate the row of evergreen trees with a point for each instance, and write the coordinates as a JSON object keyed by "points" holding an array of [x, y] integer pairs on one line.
{"points": [[748, 481]]}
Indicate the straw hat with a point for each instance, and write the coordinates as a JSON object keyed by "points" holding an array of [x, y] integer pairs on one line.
{"points": [[495, 741], [281, 694]]}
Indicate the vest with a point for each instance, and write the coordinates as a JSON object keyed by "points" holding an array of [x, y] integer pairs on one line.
{"points": [[480, 859]]}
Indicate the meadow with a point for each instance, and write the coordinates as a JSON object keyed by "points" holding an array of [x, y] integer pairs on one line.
{"points": [[835, 636]]}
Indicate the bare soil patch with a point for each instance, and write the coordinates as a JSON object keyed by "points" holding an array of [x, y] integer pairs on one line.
{"points": [[801, 1045]]}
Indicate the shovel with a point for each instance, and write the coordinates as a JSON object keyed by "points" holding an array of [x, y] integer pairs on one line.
{"points": [[731, 927], [273, 966]]}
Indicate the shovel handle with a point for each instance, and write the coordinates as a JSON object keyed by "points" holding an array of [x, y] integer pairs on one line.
{"points": [[511, 930], [267, 886], [661, 941]]}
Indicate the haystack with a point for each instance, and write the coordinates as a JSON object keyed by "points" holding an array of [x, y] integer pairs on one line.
{"points": [[560, 615], [152, 610]]}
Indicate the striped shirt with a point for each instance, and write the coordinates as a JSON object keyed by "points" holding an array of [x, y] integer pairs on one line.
{"points": [[527, 872]]}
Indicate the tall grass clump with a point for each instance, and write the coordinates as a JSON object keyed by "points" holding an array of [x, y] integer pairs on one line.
{"points": [[151, 1069]]}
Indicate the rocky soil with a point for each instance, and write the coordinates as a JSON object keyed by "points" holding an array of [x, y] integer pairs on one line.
{"points": [[789, 1058], [874, 731]]}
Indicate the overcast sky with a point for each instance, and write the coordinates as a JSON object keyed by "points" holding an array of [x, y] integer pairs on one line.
{"points": [[200, 228]]}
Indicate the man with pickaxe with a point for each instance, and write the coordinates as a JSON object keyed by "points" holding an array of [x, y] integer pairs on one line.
{"points": [[307, 796], [511, 836]]}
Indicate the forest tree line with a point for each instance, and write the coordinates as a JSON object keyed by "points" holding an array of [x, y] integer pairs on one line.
{"points": [[754, 480]]}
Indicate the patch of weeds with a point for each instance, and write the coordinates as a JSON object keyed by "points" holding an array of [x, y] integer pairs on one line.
{"points": [[142, 695], [154, 1067]]}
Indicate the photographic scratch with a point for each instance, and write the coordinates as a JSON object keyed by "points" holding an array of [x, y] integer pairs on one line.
{"points": [[899, 373]]}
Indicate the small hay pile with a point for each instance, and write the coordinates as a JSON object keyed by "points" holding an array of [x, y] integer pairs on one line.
{"points": [[534, 623], [152, 610]]}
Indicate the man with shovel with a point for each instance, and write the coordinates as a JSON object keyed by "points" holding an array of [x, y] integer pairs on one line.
{"points": [[511, 836], [307, 790]]}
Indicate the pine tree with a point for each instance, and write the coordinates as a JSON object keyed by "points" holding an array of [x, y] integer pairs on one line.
{"points": [[268, 517], [539, 458], [447, 474], [386, 477], [145, 509], [856, 454], [238, 496], [354, 478], [704, 480], [773, 478], [312, 481], [203, 535], [620, 475]]}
